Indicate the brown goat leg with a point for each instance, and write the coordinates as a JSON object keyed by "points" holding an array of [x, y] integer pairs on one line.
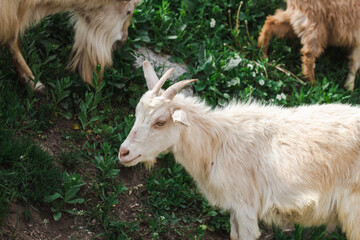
{"points": [[23, 70], [308, 61], [277, 25], [314, 41]]}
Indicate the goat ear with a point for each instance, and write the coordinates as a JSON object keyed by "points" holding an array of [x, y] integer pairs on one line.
{"points": [[150, 75], [180, 116]]}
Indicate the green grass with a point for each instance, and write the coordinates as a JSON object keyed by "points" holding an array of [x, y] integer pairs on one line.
{"points": [[224, 59], [27, 173]]}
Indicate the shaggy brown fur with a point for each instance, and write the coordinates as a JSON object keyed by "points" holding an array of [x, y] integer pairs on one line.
{"points": [[98, 25], [318, 24]]}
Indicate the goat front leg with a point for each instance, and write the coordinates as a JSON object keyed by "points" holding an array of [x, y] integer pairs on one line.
{"points": [[244, 224], [354, 67], [22, 68], [234, 232], [349, 216], [277, 25]]}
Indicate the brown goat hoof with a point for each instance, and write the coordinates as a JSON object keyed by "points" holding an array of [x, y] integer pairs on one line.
{"points": [[264, 56], [263, 50], [312, 83]]}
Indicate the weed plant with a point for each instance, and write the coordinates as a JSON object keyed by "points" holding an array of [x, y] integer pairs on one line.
{"points": [[216, 41], [27, 173], [65, 195]]}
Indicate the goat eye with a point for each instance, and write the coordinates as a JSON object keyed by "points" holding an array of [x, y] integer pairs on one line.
{"points": [[128, 13], [160, 123]]}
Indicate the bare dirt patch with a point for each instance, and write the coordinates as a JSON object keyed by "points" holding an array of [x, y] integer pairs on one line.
{"points": [[36, 222], [30, 223]]}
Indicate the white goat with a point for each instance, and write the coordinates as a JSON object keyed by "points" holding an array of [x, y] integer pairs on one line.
{"points": [[281, 165], [98, 25]]}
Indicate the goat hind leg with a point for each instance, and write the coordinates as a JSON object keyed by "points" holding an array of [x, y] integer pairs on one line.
{"points": [[354, 66], [314, 42], [277, 25], [22, 68]]}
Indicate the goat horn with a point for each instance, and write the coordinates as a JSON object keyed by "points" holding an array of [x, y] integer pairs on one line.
{"points": [[162, 80], [150, 75], [174, 89]]}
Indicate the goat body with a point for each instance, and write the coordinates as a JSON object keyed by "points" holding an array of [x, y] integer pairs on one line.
{"points": [[98, 24], [318, 24], [281, 165]]}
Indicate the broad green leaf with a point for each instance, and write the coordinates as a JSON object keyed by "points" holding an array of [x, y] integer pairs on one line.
{"points": [[57, 216], [77, 200], [52, 197]]}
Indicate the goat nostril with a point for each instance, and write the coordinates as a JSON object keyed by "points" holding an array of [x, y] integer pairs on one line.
{"points": [[124, 152]]}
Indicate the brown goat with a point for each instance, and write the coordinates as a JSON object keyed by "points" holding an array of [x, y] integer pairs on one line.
{"points": [[98, 25], [318, 24]]}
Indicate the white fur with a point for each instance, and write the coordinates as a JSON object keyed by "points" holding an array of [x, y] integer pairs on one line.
{"points": [[281, 165]]}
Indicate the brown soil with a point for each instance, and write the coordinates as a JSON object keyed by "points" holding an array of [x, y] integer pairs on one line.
{"points": [[41, 225]]}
